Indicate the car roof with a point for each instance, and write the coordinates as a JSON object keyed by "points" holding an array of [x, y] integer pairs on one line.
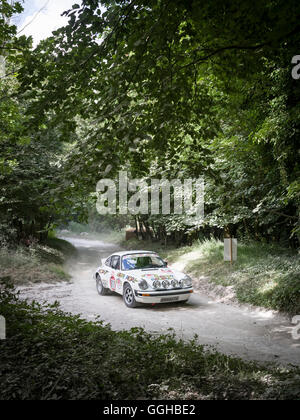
{"points": [[139, 251]]}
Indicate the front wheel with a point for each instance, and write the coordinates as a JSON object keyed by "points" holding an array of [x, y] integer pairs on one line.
{"points": [[128, 297], [100, 288]]}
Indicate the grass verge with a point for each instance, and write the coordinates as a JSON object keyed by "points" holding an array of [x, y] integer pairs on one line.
{"points": [[37, 263], [50, 354], [264, 275]]}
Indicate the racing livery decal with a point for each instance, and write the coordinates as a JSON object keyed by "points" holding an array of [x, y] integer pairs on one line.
{"points": [[130, 278], [112, 283], [101, 271]]}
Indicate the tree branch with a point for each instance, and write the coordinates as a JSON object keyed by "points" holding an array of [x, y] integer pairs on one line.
{"points": [[241, 47], [282, 214], [11, 48]]}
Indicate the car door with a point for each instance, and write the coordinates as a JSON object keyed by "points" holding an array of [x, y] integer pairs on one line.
{"points": [[114, 281], [120, 277], [105, 273]]}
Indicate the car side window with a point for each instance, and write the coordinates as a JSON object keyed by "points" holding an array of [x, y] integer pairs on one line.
{"points": [[107, 262], [115, 262]]}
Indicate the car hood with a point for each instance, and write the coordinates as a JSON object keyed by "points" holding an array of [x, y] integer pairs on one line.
{"points": [[156, 274]]}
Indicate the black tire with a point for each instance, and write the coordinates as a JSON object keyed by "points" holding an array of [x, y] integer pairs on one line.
{"points": [[100, 288], [128, 297]]}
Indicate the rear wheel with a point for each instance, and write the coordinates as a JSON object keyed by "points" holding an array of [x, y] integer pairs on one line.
{"points": [[100, 288], [128, 296]]}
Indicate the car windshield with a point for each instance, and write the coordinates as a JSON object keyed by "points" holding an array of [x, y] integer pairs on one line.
{"points": [[140, 261]]}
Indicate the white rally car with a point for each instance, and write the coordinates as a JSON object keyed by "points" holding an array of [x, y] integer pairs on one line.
{"points": [[142, 276]]}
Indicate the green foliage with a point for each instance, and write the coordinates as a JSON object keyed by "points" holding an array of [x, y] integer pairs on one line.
{"points": [[160, 89], [10, 43], [179, 90], [50, 355], [30, 156]]}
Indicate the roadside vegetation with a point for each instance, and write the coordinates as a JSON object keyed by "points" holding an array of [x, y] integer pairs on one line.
{"points": [[264, 275], [39, 262], [49, 354]]}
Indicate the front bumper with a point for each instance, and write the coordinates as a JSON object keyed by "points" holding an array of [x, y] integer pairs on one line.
{"points": [[161, 296]]}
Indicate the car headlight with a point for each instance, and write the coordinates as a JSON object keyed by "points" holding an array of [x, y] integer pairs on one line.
{"points": [[143, 284], [187, 281], [156, 284], [174, 283], [165, 284]]}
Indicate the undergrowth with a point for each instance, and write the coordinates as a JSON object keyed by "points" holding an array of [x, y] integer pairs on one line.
{"points": [[37, 263]]}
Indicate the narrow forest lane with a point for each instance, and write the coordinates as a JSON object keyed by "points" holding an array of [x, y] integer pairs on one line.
{"points": [[250, 334]]}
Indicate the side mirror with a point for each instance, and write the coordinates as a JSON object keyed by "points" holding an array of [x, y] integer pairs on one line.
{"points": [[166, 263]]}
